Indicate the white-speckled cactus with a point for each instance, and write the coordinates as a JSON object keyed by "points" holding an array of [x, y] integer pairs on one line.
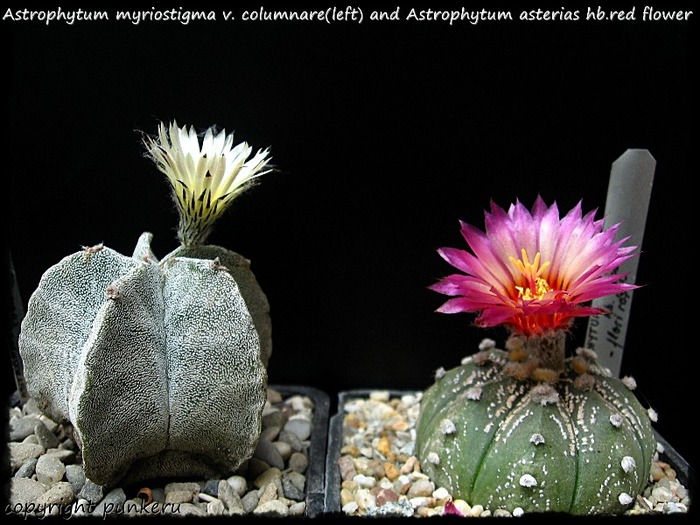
{"points": [[160, 366], [529, 429]]}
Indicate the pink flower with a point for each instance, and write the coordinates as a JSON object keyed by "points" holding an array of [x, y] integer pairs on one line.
{"points": [[451, 509], [531, 270]]}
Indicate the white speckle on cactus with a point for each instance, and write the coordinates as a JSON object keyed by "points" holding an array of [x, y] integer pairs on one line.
{"points": [[545, 394], [628, 464], [112, 292], [527, 481], [537, 439], [474, 393], [587, 353], [653, 415], [616, 420], [629, 382], [433, 458], [625, 499], [487, 344], [217, 266], [447, 427], [518, 511], [439, 373], [93, 249]]}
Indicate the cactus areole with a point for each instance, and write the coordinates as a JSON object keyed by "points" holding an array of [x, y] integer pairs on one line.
{"points": [[528, 426], [160, 366]]}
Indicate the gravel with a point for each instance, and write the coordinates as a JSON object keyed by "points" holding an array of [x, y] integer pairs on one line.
{"points": [[380, 476], [48, 476]]}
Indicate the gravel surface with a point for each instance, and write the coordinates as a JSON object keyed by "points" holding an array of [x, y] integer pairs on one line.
{"points": [[48, 477], [381, 476]]}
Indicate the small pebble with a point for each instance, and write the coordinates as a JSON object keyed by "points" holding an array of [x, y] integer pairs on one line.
{"points": [[250, 501], [269, 476], [27, 469], [298, 462], [113, 503], [292, 440], [20, 453], [228, 496], [49, 470], [421, 488], [291, 491], [25, 490], [60, 493], [272, 508], [22, 427], [284, 449], [45, 437], [238, 484], [211, 487], [215, 508], [299, 425], [297, 509], [269, 453], [91, 492]]}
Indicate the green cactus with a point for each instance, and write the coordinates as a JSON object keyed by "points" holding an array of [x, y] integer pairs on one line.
{"points": [[160, 366], [581, 445]]}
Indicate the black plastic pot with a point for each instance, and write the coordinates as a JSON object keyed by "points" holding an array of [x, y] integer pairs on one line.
{"points": [[335, 444], [316, 471]]}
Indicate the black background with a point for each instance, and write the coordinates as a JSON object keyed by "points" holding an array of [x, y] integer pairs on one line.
{"points": [[385, 134]]}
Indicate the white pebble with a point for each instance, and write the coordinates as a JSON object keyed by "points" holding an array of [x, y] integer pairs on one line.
{"points": [[526, 480], [440, 373], [628, 464], [379, 395], [518, 511], [350, 508], [660, 448], [408, 400], [672, 507], [476, 511], [365, 499], [661, 494], [433, 458], [364, 482], [462, 506], [441, 493], [421, 501], [447, 427], [625, 499]]}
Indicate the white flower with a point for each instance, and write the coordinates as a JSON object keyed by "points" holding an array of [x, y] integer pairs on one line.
{"points": [[205, 177]]}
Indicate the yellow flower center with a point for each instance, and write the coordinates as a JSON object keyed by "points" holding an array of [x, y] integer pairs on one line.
{"points": [[535, 286]]}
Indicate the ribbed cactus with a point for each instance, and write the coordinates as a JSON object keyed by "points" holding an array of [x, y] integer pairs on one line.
{"points": [[581, 445], [530, 428], [160, 366]]}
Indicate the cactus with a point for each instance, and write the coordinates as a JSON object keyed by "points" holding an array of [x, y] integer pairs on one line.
{"points": [[529, 427], [160, 366], [581, 445]]}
